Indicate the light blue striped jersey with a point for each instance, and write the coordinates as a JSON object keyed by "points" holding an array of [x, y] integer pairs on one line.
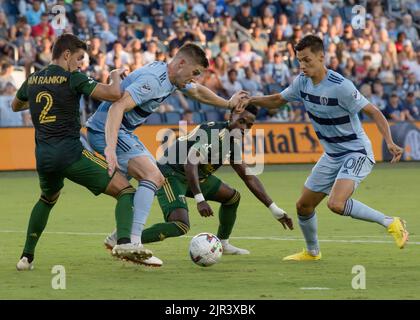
{"points": [[332, 106], [149, 86]]}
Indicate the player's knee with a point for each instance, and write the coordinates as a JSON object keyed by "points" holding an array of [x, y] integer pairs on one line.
{"points": [[234, 200], [50, 199], [304, 208], [335, 206], [156, 177]]}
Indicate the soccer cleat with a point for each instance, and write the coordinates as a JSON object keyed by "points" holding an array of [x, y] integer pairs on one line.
{"points": [[303, 256], [24, 265], [151, 262], [110, 241], [131, 252], [399, 231], [229, 249]]}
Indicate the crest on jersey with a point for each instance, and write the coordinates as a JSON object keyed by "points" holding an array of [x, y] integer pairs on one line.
{"points": [[145, 88], [356, 95], [323, 100]]}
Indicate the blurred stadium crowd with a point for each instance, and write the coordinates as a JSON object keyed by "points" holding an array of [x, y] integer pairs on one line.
{"points": [[249, 45]]}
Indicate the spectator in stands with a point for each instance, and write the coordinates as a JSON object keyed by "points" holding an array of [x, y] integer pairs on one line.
{"points": [[44, 28], [81, 28], [27, 48], [409, 30], [91, 11], [150, 54], [33, 15], [4, 26], [277, 71], [113, 18], [394, 110], [378, 97], [250, 83], [232, 84], [8, 118], [119, 53], [285, 26], [411, 84], [399, 86], [386, 73], [129, 16], [412, 104], [6, 76], [160, 30], [187, 117], [44, 57], [244, 17]]}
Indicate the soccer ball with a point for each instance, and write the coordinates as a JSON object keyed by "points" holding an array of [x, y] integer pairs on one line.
{"points": [[205, 249]]}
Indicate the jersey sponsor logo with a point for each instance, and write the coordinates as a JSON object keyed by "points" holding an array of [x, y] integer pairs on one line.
{"points": [[356, 95], [323, 100]]}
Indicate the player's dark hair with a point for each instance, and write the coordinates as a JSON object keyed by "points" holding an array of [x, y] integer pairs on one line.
{"points": [[310, 41], [252, 109], [65, 42], [195, 52]]}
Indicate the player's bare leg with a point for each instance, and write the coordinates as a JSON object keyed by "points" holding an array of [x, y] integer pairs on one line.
{"points": [[305, 207], [229, 199], [341, 203]]}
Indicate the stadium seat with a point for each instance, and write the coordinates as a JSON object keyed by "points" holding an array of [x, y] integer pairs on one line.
{"points": [[193, 104], [213, 116], [198, 117], [172, 117], [207, 107], [154, 118]]}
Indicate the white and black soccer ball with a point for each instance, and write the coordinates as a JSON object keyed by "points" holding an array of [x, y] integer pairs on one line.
{"points": [[205, 249]]}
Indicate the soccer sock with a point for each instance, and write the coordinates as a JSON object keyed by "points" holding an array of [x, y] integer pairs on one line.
{"points": [[309, 227], [161, 231], [227, 216], [37, 223], [360, 211], [124, 214], [143, 200]]}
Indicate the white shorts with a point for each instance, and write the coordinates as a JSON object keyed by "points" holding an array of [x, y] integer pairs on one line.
{"points": [[353, 166], [128, 147]]}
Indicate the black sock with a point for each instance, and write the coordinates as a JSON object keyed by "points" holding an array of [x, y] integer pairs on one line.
{"points": [[30, 256], [123, 240]]}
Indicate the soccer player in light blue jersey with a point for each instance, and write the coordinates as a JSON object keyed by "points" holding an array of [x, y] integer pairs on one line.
{"points": [[332, 103], [110, 129]]}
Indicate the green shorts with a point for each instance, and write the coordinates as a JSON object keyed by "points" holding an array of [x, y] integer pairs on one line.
{"points": [[172, 195], [89, 171]]}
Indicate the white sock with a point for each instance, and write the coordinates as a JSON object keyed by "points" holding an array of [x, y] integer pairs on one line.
{"points": [[143, 200], [360, 211]]}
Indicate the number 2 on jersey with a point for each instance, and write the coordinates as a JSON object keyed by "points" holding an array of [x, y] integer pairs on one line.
{"points": [[44, 117]]}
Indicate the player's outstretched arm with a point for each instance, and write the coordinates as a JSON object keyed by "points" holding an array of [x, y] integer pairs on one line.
{"points": [[383, 126], [191, 173], [205, 95], [112, 91], [273, 101], [19, 105], [112, 125], [256, 187]]}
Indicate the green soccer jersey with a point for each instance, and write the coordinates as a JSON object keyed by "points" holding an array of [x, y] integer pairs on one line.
{"points": [[214, 146], [54, 95]]}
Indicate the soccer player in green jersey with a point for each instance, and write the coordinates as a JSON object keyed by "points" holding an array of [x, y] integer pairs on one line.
{"points": [[52, 95], [191, 175]]}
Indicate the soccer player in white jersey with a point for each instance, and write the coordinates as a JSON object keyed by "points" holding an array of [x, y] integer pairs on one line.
{"points": [[332, 103], [110, 129]]}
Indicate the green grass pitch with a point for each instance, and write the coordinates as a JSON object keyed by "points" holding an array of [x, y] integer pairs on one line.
{"points": [[79, 222]]}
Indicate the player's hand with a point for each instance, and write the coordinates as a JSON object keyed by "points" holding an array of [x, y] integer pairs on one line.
{"points": [[111, 158], [280, 215], [239, 101], [287, 222], [396, 152], [204, 209], [121, 73]]}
